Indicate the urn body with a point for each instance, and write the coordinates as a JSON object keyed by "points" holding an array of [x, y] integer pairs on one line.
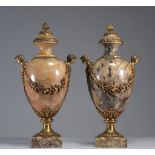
{"points": [[110, 82], [46, 80], [46, 83]]}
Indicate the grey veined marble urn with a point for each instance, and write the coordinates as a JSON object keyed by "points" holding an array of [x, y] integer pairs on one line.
{"points": [[110, 81]]}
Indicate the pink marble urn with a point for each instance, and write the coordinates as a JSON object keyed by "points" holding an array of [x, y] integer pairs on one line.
{"points": [[45, 80], [110, 81]]}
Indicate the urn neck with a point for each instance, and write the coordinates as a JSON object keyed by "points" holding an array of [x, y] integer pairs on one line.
{"points": [[45, 50], [111, 49]]}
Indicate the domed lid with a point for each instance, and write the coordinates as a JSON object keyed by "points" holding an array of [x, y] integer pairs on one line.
{"points": [[45, 36], [111, 37]]}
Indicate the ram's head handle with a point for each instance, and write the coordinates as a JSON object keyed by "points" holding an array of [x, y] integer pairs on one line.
{"points": [[134, 60], [85, 60], [70, 59], [20, 59]]}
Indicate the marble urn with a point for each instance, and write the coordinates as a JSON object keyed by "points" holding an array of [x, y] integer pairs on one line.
{"points": [[46, 79], [110, 81]]}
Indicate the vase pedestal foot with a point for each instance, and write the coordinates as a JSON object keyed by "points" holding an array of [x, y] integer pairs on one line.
{"points": [[47, 138], [46, 142], [111, 142], [110, 137]]}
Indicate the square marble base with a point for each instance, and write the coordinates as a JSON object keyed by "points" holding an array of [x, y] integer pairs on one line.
{"points": [[46, 142], [111, 142]]}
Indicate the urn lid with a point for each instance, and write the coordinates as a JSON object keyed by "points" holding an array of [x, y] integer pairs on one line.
{"points": [[111, 37], [45, 36]]}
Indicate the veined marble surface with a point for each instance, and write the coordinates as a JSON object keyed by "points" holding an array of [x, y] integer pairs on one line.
{"points": [[77, 143]]}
